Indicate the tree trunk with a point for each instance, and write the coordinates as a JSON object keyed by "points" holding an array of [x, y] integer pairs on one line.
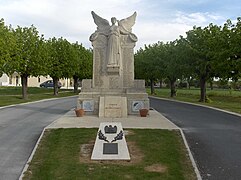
{"points": [[188, 86], [75, 83], [211, 85], [147, 83], [203, 96], [173, 88], [24, 82], [160, 83], [152, 87], [189, 82], [56, 89]]}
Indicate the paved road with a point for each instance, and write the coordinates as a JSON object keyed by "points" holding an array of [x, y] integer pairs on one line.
{"points": [[20, 128], [214, 137]]}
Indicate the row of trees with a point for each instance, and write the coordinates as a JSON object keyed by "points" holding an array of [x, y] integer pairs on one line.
{"points": [[24, 51], [205, 53]]}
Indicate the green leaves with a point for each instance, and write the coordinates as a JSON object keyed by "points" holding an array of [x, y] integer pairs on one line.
{"points": [[161, 60], [212, 51], [59, 57], [26, 54], [148, 62], [6, 45], [66, 59], [24, 51], [82, 61]]}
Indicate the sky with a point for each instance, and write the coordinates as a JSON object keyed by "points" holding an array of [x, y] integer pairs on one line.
{"points": [[157, 20]]}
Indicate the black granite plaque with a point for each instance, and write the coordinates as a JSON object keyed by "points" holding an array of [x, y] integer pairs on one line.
{"points": [[110, 148]]}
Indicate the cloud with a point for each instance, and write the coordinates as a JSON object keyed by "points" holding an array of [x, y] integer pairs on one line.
{"points": [[169, 29], [152, 32], [197, 18], [156, 20]]}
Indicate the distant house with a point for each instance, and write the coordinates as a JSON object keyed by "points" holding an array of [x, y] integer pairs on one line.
{"points": [[15, 80], [4, 80]]}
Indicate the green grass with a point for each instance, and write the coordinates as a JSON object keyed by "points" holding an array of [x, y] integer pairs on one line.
{"points": [[12, 95], [58, 157], [17, 90], [229, 100]]}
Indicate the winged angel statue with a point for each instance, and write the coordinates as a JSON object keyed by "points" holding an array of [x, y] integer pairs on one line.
{"points": [[113, 32]]}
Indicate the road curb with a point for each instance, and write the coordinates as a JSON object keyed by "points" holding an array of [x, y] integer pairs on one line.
{"points": [[31, 155], [42, 100], [197, 172], [214, 108], [190, 155]]}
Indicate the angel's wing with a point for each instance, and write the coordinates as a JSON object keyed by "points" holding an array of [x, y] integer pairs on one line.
{"points": [[102, 24], [127, 23]]}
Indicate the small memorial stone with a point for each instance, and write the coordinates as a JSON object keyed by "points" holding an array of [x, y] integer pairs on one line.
{"points": [[110, 146]]}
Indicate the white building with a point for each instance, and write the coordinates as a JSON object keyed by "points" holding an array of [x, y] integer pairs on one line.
{"points": [[15, 80], [4, 80]]}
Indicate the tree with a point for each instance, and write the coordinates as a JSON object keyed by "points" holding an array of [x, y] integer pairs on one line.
{"points": [[235, 52], [60, 56], [148, 64], [83, 64], [175, 62], [7, 44], [205, 53], [160, 61], [27, 58], [203, 44], [228, 51], [138, 60]]}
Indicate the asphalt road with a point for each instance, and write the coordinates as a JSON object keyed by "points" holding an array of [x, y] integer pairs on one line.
{"points": [[20, 128], [214, 137]]}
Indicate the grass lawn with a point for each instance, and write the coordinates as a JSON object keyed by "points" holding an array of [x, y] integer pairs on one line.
{"points": [[12, 95], [155, 154], [224, 99]]}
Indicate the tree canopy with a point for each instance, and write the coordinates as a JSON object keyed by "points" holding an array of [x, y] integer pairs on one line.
{"points": [[26, 56], [205, 53], [7, 44], [24, 51]]}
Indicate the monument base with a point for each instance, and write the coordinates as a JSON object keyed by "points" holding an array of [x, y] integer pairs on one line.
{"points": [[113, 102]]}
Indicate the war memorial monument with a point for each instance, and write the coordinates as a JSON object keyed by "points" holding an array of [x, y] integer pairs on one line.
{"points": [[113, 92]]}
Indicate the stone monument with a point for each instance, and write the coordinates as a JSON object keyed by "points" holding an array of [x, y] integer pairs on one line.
{"points": [[112, 91], [110, 143]]}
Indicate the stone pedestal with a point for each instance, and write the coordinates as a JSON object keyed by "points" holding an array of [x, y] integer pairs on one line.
{"points": [[126, 101]]}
